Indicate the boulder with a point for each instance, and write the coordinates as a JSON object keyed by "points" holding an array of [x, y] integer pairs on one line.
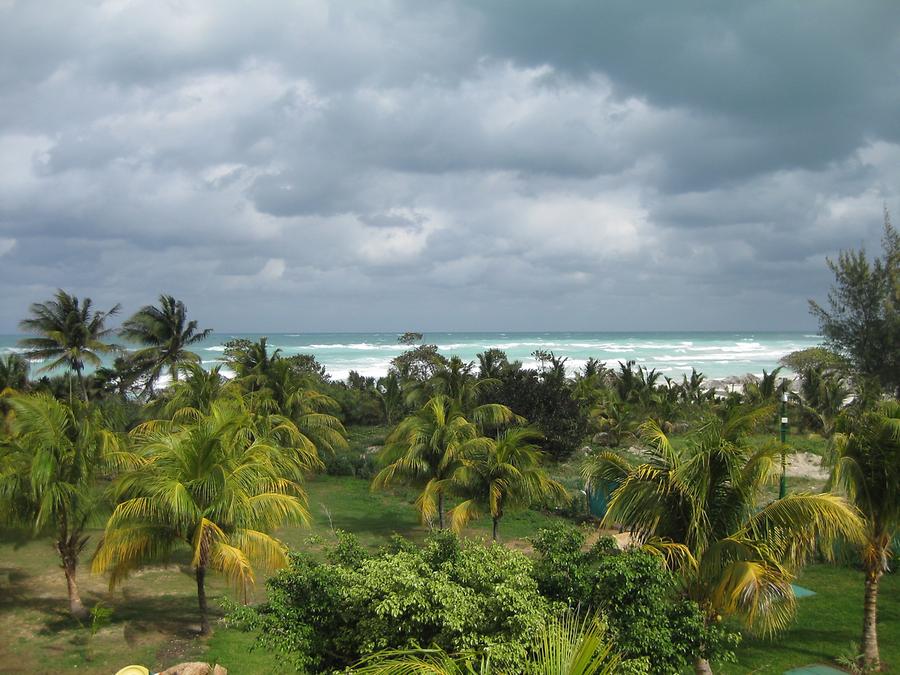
{"points": [[195, 668]]}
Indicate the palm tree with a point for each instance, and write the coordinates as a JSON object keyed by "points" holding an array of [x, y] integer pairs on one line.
{"points": [[424, 449], [496, 475], [216, 484], [699, 503], [165, 334], [867, 465], [390, 395], [13, 373], [568, 645], [277, 384], [253, 363], [48, 473], [199, 389], [69, 334], [456, 380], [13, 379], [492, 363]]}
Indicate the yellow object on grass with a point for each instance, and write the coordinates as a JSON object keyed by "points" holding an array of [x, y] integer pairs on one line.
{"points": [[133, 670]]}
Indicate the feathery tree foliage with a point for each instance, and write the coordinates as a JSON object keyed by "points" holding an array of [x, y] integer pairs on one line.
{"points": [[425, 448], [165, 334], [699, 504], [496, 475], [49, 469], [866, 464], [862, 321], [68, 333], [217, 483]]}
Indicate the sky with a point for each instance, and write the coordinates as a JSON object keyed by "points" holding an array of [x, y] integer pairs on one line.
{"points": [[407, 165]]}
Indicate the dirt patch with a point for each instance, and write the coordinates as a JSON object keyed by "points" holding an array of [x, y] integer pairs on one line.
{"points": [[806, 465]]}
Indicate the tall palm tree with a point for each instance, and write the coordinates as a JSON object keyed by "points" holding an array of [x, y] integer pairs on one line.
{"points": [[165, 334], [568, 645], [424, 449], [498, 475], [68, 333], [867, 465], [216, 484], [48, 473], [700, 502]]}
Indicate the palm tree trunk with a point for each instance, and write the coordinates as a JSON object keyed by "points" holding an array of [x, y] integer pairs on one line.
{"points": [[701, 666], [82, 384], [496, 520], [201, 599], [870, 621], [441, 510], [69, 564]]}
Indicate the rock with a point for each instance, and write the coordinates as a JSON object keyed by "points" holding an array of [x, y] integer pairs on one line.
{"points": [[601, 438], [195, 668]]}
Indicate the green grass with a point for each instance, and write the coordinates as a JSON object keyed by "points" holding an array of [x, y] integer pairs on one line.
{"points": [[826, 624], [155, 619]]}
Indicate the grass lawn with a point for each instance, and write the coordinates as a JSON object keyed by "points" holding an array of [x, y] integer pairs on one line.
{"points": [[826, 624], [154, 620]]}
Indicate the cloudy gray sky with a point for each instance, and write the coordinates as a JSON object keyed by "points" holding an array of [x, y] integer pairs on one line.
{"points": [[388, 165]]}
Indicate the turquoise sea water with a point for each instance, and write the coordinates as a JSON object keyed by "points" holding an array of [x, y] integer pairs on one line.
{"points": [[715, 354]]}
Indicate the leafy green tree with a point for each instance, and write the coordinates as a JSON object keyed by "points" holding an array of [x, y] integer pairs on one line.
{"points": [[699, 502], [547, 401], [495, 476], [425, 449], [327, 615], [218, 484], [165, 335], [862, 321], [566, 645], [68, 333], [638, 597], [48, 473], [409, 338], [866, 464], [819, 358], [418, 364]]}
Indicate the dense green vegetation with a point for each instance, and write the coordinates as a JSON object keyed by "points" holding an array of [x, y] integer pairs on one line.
{"points": [[340, 497]]}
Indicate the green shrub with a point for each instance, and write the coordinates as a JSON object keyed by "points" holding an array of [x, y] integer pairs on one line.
{"points": [[638, 596], [327, 615]]}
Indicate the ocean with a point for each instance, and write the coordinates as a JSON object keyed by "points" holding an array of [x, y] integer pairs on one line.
{"points": [[717, 355]]}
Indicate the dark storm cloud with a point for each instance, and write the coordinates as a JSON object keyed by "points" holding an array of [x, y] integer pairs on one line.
{"points": [[395, 164]]}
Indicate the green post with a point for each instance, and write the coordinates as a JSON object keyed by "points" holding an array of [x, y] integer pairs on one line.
{"points": [[782, 489]]}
